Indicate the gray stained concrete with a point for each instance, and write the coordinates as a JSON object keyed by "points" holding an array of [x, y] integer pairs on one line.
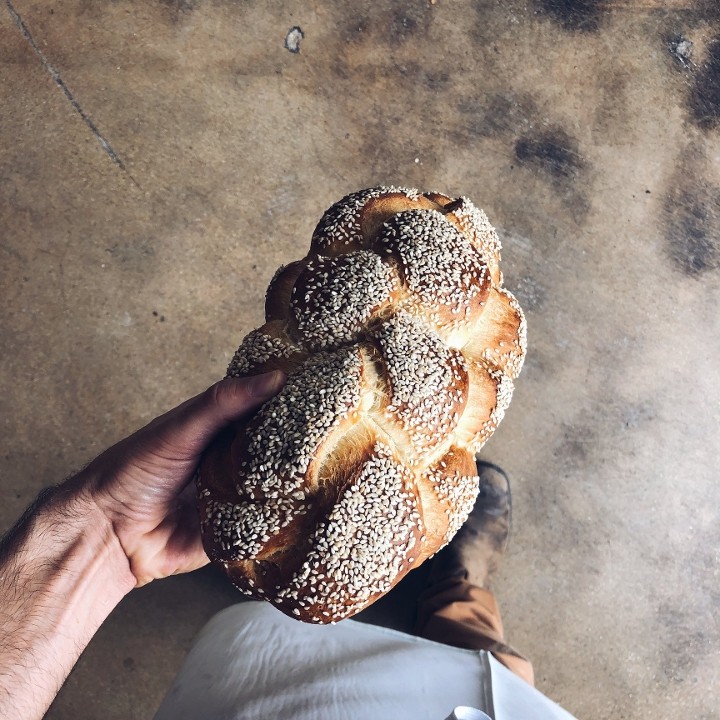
{"points": [[158, 161]]}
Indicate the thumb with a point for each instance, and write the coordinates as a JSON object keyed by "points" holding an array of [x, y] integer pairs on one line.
{"points": [[189, 427]]}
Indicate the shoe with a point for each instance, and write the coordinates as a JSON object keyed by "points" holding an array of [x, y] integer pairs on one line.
{"points": [[475, 551]]}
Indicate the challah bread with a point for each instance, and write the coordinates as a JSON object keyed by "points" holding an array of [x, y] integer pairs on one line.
{"points": [[400, 346]]}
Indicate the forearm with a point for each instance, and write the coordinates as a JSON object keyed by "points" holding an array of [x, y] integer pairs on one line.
{"points": [[62, 571]]}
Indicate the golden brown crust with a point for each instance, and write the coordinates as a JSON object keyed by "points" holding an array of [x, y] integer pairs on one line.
{"points": [[401, 347], [451, 486], [380, 209], [277, 297], [502, 336]]}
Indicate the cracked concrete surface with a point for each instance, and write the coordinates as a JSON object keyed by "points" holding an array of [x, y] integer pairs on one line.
{"points": [[592, 142]]}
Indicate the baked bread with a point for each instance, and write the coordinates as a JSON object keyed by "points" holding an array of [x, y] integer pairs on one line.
{"points": [[400, 346]]}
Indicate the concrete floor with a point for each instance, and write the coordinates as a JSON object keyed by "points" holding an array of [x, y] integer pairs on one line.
{"points": [[159, 159]]}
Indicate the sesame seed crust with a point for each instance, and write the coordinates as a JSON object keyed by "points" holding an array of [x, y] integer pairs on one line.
{"points": [[476, 227], [284, 438], [444, 273], [370, 534], [427, 379], [278, 448], [340, 225], [458, 494], [400, 346], [335, 298], [504, 392], [256, 349]]}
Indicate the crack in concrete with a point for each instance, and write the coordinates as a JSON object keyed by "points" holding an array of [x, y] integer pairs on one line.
{"points": [[55, 75]]}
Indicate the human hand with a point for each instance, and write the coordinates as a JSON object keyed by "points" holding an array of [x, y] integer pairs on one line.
{"points": [[127, 518], [143, 485]]}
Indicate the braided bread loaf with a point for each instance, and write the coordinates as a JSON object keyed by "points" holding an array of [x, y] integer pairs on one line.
{"points": [[401, 346]]}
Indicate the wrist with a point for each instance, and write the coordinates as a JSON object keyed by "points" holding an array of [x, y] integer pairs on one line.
{"points": [[62, 571], [92, 546], [65, 548]]}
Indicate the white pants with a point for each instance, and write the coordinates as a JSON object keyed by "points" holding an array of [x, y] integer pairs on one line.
{"points": [[252, 662]]}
